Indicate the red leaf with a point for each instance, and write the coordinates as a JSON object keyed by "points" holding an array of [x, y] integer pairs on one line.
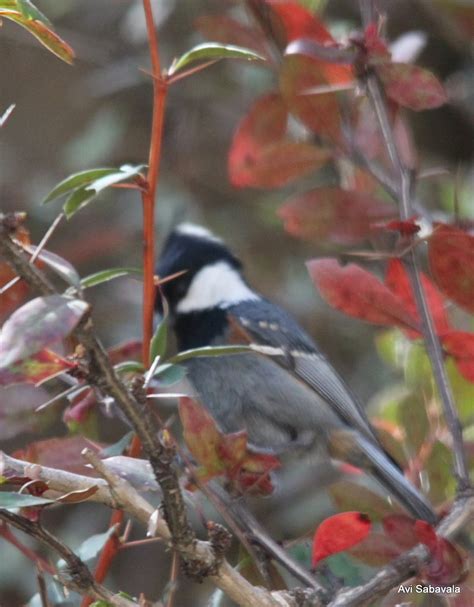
{"points": [[224, 29], [295, 22], [261, 156], [16, 294], [358, 293], [129, 350], [298, 22], [220, 453], [34, 370], [80, 408], [426, 534], [319, 112], [341, 216], [401, 529], [446, 565], [451, 256], [62, 453], [338, 533], [375, 46], [405, 228], [375, 550], [411, 86], [398, 281], [460, 345]]}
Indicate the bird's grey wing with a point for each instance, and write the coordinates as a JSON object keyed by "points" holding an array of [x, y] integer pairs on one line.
{"points": [[270, 326]]}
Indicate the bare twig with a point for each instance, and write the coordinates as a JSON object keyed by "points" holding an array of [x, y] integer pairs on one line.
{"points": [[124, 496], [42, 589], [77, 577], [7, 535]]}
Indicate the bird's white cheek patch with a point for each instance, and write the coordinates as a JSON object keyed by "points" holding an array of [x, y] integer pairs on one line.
{"points": [[214, 285]]}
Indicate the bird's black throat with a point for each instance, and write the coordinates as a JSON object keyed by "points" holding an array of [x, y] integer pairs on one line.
{"points": [[200, 328]]}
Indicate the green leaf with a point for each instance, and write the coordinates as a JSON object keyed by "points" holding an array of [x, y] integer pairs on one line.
{"points": [[209, 351], [213, 51], [168, 374], [129, 366], [126, 172], [11, 500], [76, 181], [77, 200], [413, 417], [62, 267], [439, 468], [41, 31], [99, 278], [37, 324], [159, 340], [83, 195], [29, 10]]}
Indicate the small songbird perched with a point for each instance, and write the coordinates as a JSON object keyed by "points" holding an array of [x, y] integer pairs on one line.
{"points": [[291, 400]]}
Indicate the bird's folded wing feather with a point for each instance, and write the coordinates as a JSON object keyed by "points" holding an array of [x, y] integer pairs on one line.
{"points": [[275, 333]]}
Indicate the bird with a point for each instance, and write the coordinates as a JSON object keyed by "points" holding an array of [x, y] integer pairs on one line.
{"points": [[285, 393]]}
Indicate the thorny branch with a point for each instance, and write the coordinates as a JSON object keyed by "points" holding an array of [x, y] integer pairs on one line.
{"points": [[198, 557], [113, 493], [77, 576]]}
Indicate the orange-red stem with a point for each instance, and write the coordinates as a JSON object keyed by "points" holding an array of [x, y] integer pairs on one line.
{"points": [[160, 87]]}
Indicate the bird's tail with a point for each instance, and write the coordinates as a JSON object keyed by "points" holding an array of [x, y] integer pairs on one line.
{"points": [[391, 477]]}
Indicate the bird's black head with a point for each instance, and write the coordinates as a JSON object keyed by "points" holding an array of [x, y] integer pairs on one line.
{"points": [[192, 249]]}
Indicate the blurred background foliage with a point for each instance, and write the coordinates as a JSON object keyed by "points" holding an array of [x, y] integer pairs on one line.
{"points": [[97, 113]]}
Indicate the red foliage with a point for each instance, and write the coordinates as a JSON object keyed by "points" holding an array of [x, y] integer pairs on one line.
{"points": [[333, 214], [446, 565], [63, 453], [338, 533], [320, 112], [398, 281], [226, 30], [408, 85], [228, 454], [405, 228], [460, 345], [298, 22], [358, 293], [374, 45], [261, 155], [400, 528], [451, 257], [40, 367], [411, 86]]}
